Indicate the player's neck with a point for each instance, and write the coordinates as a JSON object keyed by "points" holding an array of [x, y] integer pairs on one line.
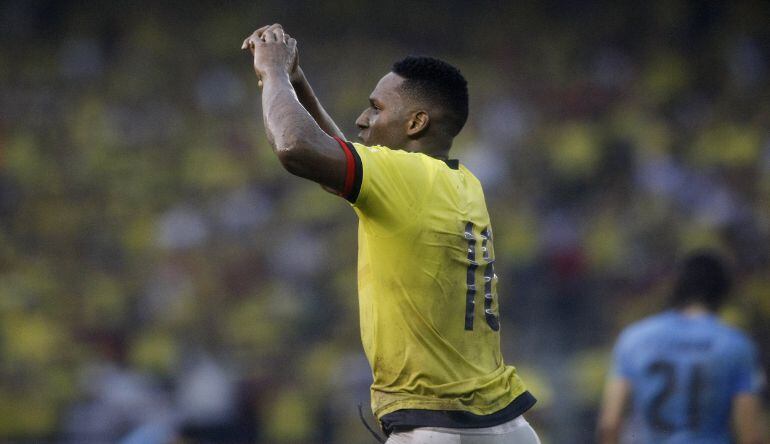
{"points": [[432, 148], [694, 310]]}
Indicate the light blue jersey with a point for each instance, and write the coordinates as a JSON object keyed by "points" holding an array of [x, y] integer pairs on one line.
{"points": [[684, 372]]}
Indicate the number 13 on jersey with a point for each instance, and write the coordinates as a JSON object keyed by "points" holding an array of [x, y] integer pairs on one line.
{"points": [[489, 278]]}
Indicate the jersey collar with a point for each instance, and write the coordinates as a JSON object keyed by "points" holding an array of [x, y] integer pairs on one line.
{"points": [[452, 163]]}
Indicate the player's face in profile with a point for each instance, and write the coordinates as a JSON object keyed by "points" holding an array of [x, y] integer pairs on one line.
{"points": [[384, 122]]}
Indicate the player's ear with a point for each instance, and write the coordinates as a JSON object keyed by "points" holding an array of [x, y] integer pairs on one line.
{"points": [[418, 123]]}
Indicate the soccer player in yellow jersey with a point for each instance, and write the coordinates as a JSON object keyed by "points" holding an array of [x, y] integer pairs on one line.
{"points": [[426, 278]]}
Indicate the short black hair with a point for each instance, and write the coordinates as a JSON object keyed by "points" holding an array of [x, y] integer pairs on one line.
{"points": [[437, 81], [703, 278]]}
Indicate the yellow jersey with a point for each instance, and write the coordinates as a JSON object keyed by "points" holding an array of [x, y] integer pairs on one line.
{"points": [[426, 284]]}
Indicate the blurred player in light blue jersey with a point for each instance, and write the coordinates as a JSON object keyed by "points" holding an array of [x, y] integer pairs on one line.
{"points": [[687, 377]]}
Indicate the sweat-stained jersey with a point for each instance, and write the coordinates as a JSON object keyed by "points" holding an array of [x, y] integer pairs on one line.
{"points": [[684, 372], [427, 285]]}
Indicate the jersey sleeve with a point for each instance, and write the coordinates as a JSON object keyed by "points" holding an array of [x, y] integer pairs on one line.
{"points": [[748, 376], [387, 186]]}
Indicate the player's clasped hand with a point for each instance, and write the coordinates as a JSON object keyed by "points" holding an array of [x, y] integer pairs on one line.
{"points": [[274, 51]]}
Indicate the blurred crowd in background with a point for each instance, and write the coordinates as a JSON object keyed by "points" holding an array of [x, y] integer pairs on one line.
{"points": [[162, 279]]}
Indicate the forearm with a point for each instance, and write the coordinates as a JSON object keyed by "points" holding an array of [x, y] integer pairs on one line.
{"points": [[287, 122], [616, 396], [302, 147], [609, 435], [608, 431], [748, 420], [310, 102]]}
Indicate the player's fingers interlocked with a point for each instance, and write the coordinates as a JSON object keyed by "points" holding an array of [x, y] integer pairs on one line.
{"points": [[274, 51]]}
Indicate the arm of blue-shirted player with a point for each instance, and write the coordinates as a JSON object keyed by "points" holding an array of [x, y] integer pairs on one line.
{"points": [[617, 393], [748, 424], [302, 147], [748, 382]]}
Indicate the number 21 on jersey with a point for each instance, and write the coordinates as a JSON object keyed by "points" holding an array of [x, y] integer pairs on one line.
{"points": [[488, 264]]}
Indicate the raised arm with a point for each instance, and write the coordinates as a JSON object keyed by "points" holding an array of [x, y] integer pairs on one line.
{"points": [[305, 93], [301, 145], [308, 99]]}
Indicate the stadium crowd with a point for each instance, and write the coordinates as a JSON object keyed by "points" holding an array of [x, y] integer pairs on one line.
{"points": [[162, 279]]}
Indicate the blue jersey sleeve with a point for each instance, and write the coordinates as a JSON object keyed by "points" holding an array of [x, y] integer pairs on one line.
{"points": [[747, 376]]}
